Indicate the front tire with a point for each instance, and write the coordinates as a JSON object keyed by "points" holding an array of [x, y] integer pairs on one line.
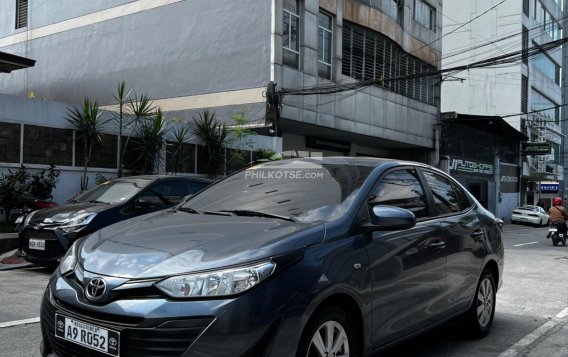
{"points": [[479, 318], [329, 333]]}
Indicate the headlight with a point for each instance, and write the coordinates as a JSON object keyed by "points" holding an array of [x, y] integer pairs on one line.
{"points": [[78, 222], [69, 260], [28, 218], [216, 283]]}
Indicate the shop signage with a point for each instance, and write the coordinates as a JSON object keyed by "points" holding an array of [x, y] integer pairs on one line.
{"points": [[549, 188], [509, 180], [536, 148], [471, 167], [327, 144]]}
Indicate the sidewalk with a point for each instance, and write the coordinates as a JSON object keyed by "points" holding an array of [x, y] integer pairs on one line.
{"points": [[8, 249]]}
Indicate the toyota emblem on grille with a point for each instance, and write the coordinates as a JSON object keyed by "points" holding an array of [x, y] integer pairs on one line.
{"points": [[95, 289]]}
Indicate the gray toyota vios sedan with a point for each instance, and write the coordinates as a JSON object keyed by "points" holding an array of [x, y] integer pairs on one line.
{"points": [[303, 257]]}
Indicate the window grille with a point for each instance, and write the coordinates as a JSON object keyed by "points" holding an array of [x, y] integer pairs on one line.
{"points": [[371, 55], [21, 13], [524, 94], [525, 46], [526, 7]]}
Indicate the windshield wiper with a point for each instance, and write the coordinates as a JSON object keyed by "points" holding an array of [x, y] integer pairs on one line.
{"points": [[244, 212], [188, 210]]}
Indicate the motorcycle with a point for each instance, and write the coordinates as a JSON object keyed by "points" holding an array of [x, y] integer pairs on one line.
{"points": [[557, 233]]}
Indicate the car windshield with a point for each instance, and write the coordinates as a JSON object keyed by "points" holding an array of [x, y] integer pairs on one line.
{"points": [[304, 191], [113, 191]]}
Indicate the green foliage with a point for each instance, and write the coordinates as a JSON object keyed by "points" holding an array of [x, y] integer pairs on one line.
{"points": [[268, 155], [241, 134], [100, 178], [149, 142], [19, 186], [132, 110], [180, 135], [215, 137], [88, 123]]}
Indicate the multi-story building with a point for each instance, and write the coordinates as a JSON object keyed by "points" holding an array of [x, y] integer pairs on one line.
{"points": [[526, 92], [353, 74]]}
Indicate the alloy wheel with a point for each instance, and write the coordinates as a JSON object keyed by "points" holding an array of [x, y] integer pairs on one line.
{"points": [[329, 340], [485, 301]]}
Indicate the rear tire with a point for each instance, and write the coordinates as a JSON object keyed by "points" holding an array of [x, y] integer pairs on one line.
{"points": [[554, 239], [329, 333], [479, 318]]}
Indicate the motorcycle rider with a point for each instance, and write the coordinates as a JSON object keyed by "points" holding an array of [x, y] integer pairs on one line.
{"points": [[558, 215]]}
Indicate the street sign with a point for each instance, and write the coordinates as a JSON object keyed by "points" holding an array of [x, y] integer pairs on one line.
{"points": [[536, 148]]}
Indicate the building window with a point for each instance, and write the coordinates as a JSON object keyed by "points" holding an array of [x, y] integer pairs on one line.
{"points": [[425, 14], [324, 45], [291, 34], [43, 145], [547, 21], [526, 7], [10, 142], [367, 54], [21, 13], [547, 66], [547, 108], [392, 8]]}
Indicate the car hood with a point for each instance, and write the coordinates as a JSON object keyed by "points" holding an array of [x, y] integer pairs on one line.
{"points": [[173, 242], [61, 213]]}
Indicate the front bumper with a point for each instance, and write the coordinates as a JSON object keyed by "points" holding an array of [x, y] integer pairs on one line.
{"points": [[56, 244], [154, 325]]}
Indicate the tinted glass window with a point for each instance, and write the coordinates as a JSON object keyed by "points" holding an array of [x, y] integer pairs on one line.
{"points": [[166, 193], [463, 200], [402, 189], [113, 191], [445, 198], [195, 187], [305, 190]]}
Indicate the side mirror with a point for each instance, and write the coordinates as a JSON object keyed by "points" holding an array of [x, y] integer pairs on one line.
{"points": [[389, 218], [142, 205]]}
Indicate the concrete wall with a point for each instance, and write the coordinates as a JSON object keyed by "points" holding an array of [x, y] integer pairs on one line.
{"points": [[164, 48]]}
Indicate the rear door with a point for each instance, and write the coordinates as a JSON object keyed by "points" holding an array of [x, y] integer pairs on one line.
{"points": [[407, 266]]}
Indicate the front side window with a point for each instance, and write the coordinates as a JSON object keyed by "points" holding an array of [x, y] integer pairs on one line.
{"points": [[324, 45], [425, 14], [21, 13], [402, 189], [291, 34]]}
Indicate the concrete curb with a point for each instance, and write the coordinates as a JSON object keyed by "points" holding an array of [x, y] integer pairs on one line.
{"points": [[8, 241], [12, 266]]}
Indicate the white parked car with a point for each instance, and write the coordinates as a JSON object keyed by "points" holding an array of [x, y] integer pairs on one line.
{"points": [[530, 214]]}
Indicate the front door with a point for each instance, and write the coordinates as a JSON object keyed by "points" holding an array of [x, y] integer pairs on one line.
{"points": [[407, 266]]}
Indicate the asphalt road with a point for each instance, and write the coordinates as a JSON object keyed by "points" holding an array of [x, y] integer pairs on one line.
{"points": [[531, 318]]}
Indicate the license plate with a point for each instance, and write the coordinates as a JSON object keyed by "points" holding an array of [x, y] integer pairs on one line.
{"points": [[553, 230], [87, 335], [37, 244]]}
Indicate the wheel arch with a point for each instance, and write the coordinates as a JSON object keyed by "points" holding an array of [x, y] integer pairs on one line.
{"points": [[352, 310]]}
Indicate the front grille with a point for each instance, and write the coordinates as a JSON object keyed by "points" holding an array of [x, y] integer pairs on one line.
{"points": [[53, 248], [158, 337], [39, 234]]}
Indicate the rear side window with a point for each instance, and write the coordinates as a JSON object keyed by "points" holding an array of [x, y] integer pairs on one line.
{"points": [[445, 198], [402, 189]]}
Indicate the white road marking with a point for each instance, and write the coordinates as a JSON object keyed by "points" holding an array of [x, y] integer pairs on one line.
{"points": [[562, 314], [19, 322], [519, 245], [528, 339]]}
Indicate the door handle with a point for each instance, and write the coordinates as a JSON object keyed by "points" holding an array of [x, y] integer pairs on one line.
{"points": [[437, 245], [477, 235]]}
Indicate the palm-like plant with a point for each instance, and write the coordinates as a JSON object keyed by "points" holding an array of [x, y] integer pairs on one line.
{"points": [[88, 123], [150, 140], [180, 135], [131, 112], [215, 137]]}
